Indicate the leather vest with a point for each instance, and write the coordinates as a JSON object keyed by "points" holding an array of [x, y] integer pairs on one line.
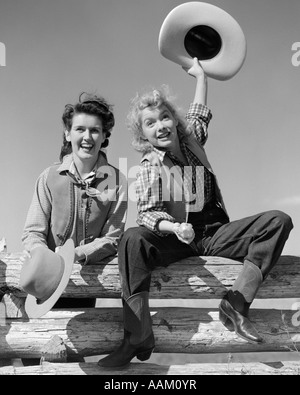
{"points": [[68, 198], [172, 183]]}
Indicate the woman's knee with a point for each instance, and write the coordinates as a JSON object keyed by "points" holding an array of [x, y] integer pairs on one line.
{"points": [[135, 236], [282, 219]]}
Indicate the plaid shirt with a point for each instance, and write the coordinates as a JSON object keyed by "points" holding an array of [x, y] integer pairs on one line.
{"points": [[151, 207]]}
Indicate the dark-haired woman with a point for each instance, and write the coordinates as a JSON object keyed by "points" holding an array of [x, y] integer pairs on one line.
{"points": [[83, 197]]}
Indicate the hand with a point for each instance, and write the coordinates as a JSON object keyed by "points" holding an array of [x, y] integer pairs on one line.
{"points": [[25, 256], [201, 82], [184, 232], [79, 256], [196, 70]]}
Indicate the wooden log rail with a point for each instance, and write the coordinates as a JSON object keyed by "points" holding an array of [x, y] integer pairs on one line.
{"points": [[88, 332], [192, 278], [99, 331], [138, 369]]}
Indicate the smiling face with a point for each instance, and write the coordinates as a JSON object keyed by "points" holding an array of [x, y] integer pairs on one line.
{"points": [[160, 127], [86, 137]]}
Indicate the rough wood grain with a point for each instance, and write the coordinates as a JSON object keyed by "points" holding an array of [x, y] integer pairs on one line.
{"points": [[55, 350], [196, 277], [177, 330], [138, 369]]}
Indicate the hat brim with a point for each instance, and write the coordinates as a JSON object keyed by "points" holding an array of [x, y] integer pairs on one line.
{"points": [[33, 308], [183, 18]]}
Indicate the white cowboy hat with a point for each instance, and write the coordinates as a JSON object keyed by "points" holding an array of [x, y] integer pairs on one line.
{"points": [[44, 277], [204, 31]]}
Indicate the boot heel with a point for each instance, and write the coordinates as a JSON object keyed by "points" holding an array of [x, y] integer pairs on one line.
{"points": [[144, 356]]}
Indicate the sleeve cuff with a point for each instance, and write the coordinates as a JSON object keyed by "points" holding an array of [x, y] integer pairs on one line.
{"points": [[199, 110], [151, 219]]}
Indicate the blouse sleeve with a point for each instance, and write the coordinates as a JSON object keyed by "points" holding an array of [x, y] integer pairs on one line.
{"points": [[38, 216], [151, 208], [199, 117]]}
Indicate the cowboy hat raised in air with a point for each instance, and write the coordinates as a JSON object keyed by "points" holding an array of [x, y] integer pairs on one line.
{"points": [[44, 277], [207, 32]]}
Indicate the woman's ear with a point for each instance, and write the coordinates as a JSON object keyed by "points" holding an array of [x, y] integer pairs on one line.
{"points": [[67, 135]]}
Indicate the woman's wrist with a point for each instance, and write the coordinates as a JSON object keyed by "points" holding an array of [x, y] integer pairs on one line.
{"points": [[165, 226], [175, 227]]}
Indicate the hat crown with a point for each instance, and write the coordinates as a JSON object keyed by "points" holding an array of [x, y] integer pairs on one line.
{"points": [[202, 42], [42, 273]]}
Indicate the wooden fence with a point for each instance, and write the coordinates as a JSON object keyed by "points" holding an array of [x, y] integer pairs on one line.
{"points": [[68, 336]]}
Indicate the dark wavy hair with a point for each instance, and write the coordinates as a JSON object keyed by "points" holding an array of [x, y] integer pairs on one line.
{"points": [[92, 105]]}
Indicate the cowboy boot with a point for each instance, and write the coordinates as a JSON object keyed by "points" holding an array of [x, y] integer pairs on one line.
{"points": [[138, 335], [226, 321], [235, 305]]}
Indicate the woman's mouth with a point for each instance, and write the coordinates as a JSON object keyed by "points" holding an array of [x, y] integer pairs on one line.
{"points": [[86, 147], [163, 135]]}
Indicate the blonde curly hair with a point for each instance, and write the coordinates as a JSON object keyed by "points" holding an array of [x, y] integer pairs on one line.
{"points": [[153, 98]]}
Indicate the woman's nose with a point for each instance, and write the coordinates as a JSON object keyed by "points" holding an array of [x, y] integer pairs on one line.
{"points": [[160, 125], [87, 134]]}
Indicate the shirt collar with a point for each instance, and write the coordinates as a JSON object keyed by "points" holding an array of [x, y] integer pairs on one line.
{"points": [[161, 154]]}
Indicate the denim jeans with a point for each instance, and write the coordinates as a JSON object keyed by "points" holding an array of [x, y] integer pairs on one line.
{"points": [[259, 239]]}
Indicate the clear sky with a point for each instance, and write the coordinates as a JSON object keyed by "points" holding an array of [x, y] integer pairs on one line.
{"points": [[56, 49]]}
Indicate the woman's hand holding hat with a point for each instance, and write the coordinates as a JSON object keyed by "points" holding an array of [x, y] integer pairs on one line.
{"points": [[79, 255], [196, 70]]}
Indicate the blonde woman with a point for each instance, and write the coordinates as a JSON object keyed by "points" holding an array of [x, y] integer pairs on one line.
{"points": [[181, 213]]}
